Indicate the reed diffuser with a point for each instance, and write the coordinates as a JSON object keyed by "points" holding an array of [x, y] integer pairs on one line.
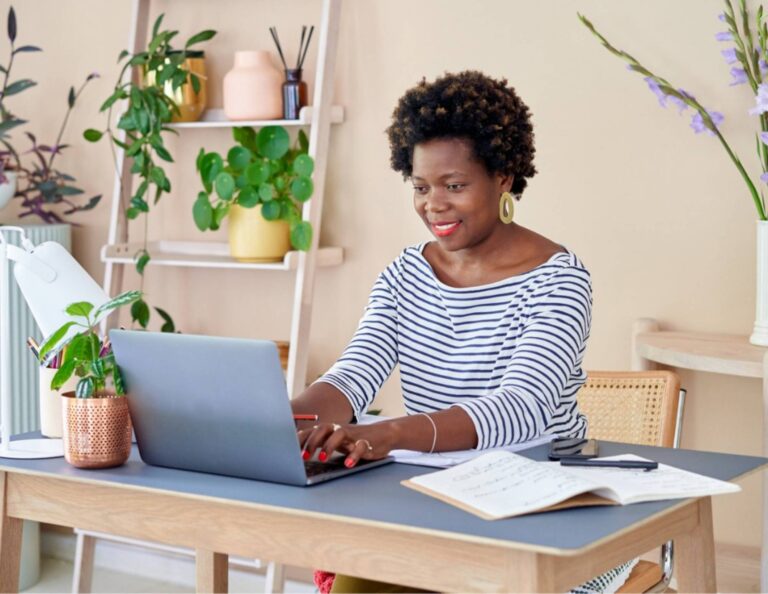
{"points": [[294, 88]]}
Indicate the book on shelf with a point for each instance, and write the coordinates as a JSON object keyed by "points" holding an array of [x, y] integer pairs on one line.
{"points": [[501, 484]]}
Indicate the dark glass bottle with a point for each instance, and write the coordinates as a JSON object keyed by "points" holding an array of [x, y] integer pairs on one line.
{"points": [[294, 94]]}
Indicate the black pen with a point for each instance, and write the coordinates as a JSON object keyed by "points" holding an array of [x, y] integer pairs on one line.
{"points": [[637, 464]]}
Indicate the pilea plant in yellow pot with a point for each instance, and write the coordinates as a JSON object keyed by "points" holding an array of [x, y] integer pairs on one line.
{"points": [[261, 186], [97, 427]]}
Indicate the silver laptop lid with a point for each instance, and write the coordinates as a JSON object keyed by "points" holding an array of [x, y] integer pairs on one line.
{"points": [[210, 404]]}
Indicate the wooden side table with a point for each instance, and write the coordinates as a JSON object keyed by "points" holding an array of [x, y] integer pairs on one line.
{"points": [[727, 354]]}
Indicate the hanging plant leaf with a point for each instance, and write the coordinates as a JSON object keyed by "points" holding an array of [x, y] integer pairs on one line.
{"points": [[273, 142], [140, 313], [142, 260], [168, 325]]}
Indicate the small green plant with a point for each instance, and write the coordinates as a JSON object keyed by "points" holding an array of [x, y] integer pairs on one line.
{"points": [[145, 122], [261, 169], [86, 354]]}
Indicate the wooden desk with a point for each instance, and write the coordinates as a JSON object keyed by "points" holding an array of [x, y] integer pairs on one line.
{"points": [[365, 524], [715, 353]]}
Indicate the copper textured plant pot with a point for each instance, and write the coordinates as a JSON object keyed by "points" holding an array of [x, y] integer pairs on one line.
{"points": [[97, 431]]}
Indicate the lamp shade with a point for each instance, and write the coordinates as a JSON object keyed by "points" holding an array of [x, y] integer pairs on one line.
{"points": [[51, 279]]}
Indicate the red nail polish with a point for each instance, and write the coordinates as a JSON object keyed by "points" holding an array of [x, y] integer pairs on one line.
{"points": [[349, 462], [305, 455], [322, 456]]}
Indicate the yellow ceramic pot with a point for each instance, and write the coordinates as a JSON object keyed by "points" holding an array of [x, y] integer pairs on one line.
{"points": [[254, 239]]}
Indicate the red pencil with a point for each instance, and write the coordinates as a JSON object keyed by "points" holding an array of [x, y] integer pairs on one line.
{"points": [[305, 417]]}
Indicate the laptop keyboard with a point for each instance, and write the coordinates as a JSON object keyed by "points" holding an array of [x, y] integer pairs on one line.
{"points": [[313, 468]]}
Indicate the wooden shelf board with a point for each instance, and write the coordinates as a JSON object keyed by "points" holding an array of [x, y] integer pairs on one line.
{"points": [[215, 118], [206, 254], [717, 353]]}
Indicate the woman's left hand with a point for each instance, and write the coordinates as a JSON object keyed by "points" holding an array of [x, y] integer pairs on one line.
{"points": [[358, 442]]}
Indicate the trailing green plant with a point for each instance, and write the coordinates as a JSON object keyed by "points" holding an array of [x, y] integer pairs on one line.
{"points": [[86, 355], [262, 169], [40, 185], [145, 122]]}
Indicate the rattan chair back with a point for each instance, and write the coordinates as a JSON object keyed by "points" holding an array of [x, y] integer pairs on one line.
{"points": [[631, 407]]}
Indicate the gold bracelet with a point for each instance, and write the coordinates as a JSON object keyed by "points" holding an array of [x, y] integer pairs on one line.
{"points": [[434, 428]]}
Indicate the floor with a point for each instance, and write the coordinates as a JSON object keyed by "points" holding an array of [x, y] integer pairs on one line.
{"points": [[56, 577]]}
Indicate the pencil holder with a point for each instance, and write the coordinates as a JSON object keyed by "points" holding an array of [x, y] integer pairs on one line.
{"points": [[51, 423]]}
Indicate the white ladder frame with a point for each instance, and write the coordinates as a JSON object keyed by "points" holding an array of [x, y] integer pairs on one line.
{"points": [[298, 357]]}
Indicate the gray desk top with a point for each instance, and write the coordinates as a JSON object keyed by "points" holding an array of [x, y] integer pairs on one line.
{"points": [[376, 495]]}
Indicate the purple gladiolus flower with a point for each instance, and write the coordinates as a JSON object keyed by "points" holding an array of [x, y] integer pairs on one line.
{"points": [[721, 17], [764, 137], [698, 125], [730, 55], [724, 36], [764, 177], [761, 100], [739, 76], [656, 89]]}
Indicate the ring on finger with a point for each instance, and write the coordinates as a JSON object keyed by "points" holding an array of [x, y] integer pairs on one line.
{"points": [[367, 444], [336, 426]]}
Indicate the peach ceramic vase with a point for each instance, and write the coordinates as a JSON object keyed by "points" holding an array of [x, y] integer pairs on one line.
{"points": [[253, 88]]}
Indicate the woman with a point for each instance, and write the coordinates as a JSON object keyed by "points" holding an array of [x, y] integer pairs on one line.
{"points": [[488, 322]]}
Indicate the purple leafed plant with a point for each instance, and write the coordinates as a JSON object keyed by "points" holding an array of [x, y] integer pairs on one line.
{"points": [[40, 184]]}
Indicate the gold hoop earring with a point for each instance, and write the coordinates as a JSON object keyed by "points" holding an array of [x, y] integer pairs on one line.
{"points": [[506, 208]]}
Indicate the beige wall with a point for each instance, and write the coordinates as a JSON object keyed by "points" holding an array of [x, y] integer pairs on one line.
{"points": [[658, 214]]}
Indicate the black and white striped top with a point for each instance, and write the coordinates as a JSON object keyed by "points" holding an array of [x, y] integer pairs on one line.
{"points": [[509, 353]]}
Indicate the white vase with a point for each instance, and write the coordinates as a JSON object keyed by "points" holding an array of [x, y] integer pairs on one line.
{"points": [[760, 331], [8, 189]]}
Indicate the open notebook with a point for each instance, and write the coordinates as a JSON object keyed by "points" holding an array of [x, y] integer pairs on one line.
{"points": [[502, 484]]}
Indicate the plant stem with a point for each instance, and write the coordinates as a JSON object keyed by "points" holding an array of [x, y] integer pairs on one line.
{"points": [[64, 125]]}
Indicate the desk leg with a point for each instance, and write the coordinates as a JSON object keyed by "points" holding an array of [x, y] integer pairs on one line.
{"points": [[10, 542], [212, 571], [695, 554]]}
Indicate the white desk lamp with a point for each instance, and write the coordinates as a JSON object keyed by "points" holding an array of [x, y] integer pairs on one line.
{"points": [[50, 279]]}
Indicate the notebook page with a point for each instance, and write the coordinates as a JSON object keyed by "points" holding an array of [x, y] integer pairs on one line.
{"points": [[633, 486], [501, 484]]}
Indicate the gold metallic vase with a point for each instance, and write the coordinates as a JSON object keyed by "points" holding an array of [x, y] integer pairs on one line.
{"points": [[97, 431], [191, 105]]}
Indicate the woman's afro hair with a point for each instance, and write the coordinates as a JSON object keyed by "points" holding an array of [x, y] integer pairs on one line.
{"points": [[471, 106]]}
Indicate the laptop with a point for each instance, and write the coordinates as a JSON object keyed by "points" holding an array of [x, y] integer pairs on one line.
{"points": [[216, 405]]}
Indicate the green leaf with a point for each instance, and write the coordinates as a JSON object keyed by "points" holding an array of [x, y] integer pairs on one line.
{"points": [[224, 185], [219, 214], [302, 188], [140, 313], [163, 153], [245, 136], [71, 97], [202, 212], [303, 141], [239, 157], [12, 24], [200, 37], [257, 173], [68, 191], [210, 166], [142, 261], [53, 340], [27, 48], [122, 55], [301, 236], [248, 197], [126, 122], [80, 309], [156, 25], [266, 192], [303, 165], [92, 135], [18, 87], [199, 159], [273, 142], [123, 298], [63, 374], [117, 378], [85, 388], [132, 213], [241, 181], [168, 325], [157, 175], [271, 210], [7, 125]]}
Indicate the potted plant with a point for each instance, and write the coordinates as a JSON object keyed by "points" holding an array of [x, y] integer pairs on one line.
{"points": [[261, 186], [152, 98], [97, 428], [39, 184]]}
